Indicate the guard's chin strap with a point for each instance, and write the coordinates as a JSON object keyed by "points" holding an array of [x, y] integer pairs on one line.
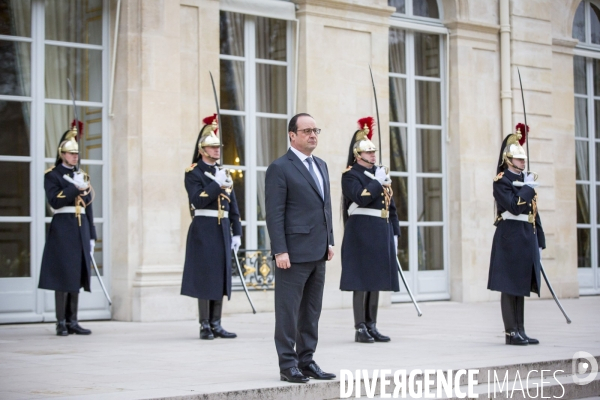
{"points": [[368, 162], [204, 153], [514, 166]]}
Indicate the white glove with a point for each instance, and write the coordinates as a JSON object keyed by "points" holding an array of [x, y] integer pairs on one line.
{"points": [[221, 178], [396, 243], [382, 177], [92, 245], [529, 179], [540, 253], [236, 242], [80, 182]]}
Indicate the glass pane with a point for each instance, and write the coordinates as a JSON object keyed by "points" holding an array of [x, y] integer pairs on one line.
{"points": [[579, 23], [427, 102], [425, 8], [403, 248], [15, 18], [397, 100], [261, 211], [595, 23], [14, 189], [597, 119], [233, 136], [95, 173], [429, 150], [397, 48], [58, 121], [232, 33], [74, 21], [427, 55], [431, 248], [271, 39], [232, 85], [399, 4], [98, 249], [400, 188], [398, 149], [271, 89], [584, 251], [239, 185], [596, 69], [264, 242], [598, 164], [15, 250], [580, 73], [429, 199], [581, 160], [598, 205], [271, 140], [583, 204], [15, 68], [82, 66], [581, 125], [14, 128]]}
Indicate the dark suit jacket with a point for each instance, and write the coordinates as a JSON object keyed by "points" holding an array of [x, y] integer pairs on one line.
{"points": [[298, 219]]}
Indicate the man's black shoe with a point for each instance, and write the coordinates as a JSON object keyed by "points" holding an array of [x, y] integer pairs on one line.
{"points": [[362, 334], [293, 375], [205, 331], [61, 328], [77, 329], [218, 331], [314, 371], [376, 334], [513, 337]]}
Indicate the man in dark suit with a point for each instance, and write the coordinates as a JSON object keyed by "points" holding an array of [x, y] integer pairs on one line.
{"points": [[298, 203]]}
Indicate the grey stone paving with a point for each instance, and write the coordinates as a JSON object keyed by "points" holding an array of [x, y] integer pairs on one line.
{"points": [[129, 360]]}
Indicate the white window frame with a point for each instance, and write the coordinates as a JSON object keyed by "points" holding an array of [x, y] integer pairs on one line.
{"points": [[92, 306], [589, 278]]}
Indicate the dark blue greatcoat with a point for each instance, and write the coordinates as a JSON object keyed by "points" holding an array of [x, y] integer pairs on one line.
{"points": [[207, 269], [66, 262], [368, 249], [515, 261]]}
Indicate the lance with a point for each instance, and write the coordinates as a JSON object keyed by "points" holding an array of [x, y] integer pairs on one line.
{"points": [[76, 120], [221, 163], [377, 111]]}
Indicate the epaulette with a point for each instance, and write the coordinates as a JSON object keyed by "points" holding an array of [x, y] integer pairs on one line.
{"points": [[498, 177], [347, 169], [191, 167], [48, 170]]}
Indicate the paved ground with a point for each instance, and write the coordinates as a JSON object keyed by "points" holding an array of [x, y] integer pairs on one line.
{"points": [[128, 360]]}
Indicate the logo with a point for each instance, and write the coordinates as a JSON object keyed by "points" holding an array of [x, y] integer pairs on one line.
{"points": [[584, 363]]}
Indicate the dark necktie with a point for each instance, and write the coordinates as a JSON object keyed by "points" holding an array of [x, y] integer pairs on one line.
{"points": [[309, 160]]}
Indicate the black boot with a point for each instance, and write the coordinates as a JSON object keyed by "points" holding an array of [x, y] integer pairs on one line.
{"points": [[216, 307], [372, 306], [508, 304], [362, 334], [71, 314], [521, 320], [60, 306], [204, 312], [358, 306]]}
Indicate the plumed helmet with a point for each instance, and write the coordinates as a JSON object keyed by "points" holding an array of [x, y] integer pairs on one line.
{"points": [[512, 146], [208, 133], [362, 137]]}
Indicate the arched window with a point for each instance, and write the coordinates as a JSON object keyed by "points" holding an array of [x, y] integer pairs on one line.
{"points": [[586, 71], [417, 89]]}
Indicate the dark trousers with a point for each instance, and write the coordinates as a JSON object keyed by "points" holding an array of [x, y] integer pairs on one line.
{"points": [[298, 301], [66, 305], [365, 306], [513, 312]]}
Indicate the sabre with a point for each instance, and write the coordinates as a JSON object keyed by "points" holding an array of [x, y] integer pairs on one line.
{"points": [[76, 120], [237, 262], [525, 118], [218, 114], [554, 295], [100, 279], [407, 288], [377, 111]]}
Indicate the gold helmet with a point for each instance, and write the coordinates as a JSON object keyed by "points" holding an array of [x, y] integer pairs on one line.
{"points": [[208, 133], [512, 147], [362, 137], [69, 143]]}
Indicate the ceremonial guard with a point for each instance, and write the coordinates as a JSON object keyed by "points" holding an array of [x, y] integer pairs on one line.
{"points": [[215, 213], [371, 231], [519, 238], [66, 262]]}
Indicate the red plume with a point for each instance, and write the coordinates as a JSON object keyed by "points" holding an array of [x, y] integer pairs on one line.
{"points": [[79, 127], [209, 120], [524, 132], [370, 122]]}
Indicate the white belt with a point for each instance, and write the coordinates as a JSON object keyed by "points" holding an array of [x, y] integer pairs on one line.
{"points": [[354, 209], [520, 217], [211, 213], [69, 210]]}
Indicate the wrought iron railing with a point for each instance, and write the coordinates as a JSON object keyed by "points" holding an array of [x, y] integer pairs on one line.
{"points": [[257, 267]]}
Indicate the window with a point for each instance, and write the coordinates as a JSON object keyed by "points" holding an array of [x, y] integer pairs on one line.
{"points": [[256, 103], [586, 71], [417, 143]]}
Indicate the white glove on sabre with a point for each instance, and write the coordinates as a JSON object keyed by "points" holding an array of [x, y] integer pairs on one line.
{"points": [[236, 242], [78, 182], [396, 243], [92, 246], [529, 180], [540, 253], [382, 177], [222, 179]]}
